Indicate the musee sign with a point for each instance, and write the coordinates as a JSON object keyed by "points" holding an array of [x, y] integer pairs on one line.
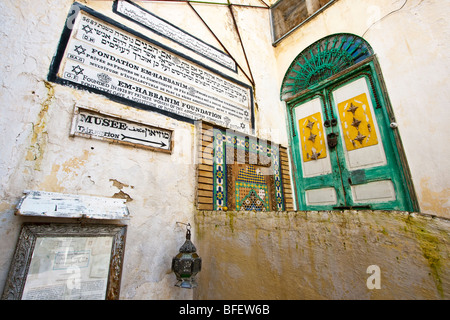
{"points": [[93, 124]]}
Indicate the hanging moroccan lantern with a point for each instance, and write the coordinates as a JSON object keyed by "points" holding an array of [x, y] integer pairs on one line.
{"points": [[186, 264]]}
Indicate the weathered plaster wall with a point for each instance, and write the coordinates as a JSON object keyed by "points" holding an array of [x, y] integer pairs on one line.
{"points": [[322, 255], [38, 154], [410, 40]]}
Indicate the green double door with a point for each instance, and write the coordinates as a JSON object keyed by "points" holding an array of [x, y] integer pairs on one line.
{"points": [[344, 150]]}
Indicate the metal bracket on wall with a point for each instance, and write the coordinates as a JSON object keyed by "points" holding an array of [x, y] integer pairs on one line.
{"points": [[240, 40], [230, 5], [218, 40]]}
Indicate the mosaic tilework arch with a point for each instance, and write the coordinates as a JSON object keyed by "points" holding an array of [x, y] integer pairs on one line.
{"points": [[241, 172]]}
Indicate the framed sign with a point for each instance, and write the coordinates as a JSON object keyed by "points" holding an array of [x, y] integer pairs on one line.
{"points": [[99, 125], [139, 15], [66, 262], [102, 56]]}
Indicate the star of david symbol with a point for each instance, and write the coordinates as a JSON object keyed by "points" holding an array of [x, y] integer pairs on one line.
{"points": [[86, 28], [79, 49], [243, 125], [77, 70]]}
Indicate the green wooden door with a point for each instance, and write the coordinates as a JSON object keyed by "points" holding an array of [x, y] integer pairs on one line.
{"points": [[344, 150]]}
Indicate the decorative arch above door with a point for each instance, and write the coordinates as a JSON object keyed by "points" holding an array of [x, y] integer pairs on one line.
{"points": [[344, 151], [323, 59]]}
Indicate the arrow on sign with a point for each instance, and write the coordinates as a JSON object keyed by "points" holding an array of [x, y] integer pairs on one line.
{"points": [[161, 144]]}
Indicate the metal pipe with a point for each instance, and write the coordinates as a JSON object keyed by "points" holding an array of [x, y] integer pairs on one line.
{"points": [[268, 7], [218, 40], [216, 3], [240, 40]]}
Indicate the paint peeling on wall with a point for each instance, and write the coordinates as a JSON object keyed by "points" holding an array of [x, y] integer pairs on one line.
{"points": [[39, 138], [121, 194], [61, 176], [436, 202]]}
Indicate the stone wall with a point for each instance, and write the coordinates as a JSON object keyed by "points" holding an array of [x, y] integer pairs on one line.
{"points": [[322, 255]]}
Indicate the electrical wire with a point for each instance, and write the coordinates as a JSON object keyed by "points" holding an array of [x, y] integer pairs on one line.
{"points": [[384, 17]]}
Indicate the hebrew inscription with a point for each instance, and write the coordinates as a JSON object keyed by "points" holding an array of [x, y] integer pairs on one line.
{"points": [[118, 63], [137, 14]]}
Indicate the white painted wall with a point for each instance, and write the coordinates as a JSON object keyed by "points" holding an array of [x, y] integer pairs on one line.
{"points": [[37, 152]]}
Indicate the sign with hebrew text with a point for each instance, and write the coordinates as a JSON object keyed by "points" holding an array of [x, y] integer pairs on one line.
{"points": [[98, 125], [150, 21], [108, 58]]}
